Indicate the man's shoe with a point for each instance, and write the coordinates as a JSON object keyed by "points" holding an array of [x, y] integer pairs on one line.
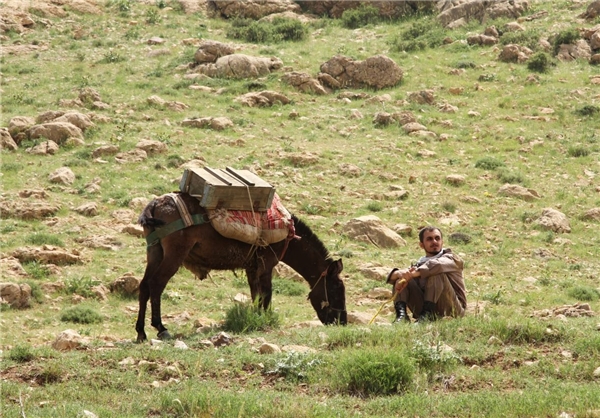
{"points": [[428, 313], [401, 315]]}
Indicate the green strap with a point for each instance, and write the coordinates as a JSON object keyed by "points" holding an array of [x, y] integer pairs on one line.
{"points": [[159, 233]]}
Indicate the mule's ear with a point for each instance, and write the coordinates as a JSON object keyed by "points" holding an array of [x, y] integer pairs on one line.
{"points": [[336, 267]]}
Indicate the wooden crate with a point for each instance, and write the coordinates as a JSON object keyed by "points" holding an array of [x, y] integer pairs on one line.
{"points": [[229, 189]]}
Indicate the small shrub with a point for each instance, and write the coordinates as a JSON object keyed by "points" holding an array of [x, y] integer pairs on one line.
{"points": [[578, 151], [52, 372], [487, 77], [80, 285], [81, 315], [449, 206], [37, 294], [588, 110], [459, 238], [528, 38], [40, 238], [375, 372], [465, 65], [280, 29], [512, 177], [361, 16], [36, 270], [374, 206], [489, 163], [433, 358], [584, 293], [21, 353], [153, 16], [123, 6], [539, 62], [293, 367], [494, 298], [112, 57], [247, 318], [422, 34], [565, 37]]}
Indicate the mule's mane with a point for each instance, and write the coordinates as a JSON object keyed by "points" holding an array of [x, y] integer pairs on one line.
{"points": [[307, 234]]}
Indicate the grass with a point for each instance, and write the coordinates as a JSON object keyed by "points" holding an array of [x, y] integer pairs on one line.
{"points": [[499, 360]]}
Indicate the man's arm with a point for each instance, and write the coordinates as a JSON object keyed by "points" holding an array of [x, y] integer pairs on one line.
{"points": [[447, 263]]}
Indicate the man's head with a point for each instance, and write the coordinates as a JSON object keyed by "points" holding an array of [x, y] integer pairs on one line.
{"points": [[431, 240]]}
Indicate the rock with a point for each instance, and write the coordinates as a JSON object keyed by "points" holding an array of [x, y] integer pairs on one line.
{"points": [[520, 192], [128, 284], [80, 120], [216, 123], [62, 175], [455, 179], [252, 9], [265, 98], [374, 272], [301, 349], [67, 340], [267, 348], [371, 229], [422, 97], [554, 220], [45, 148], [19, 124], [305, 83], [152, 147], [58, 132], [6, 140], [210, 51], [15, 295], [377, 72], [591, 215], [240, 66], [88, 209]]}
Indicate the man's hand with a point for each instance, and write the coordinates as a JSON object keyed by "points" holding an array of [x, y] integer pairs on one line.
{"points": [[403, 277]]}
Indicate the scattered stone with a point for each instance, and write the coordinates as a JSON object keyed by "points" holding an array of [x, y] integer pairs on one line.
{"points": [[68, 340]]}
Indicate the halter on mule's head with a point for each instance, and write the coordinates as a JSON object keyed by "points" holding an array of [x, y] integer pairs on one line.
{"points": [[328, 296]]}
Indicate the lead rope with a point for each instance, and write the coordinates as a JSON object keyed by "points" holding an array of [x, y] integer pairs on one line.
{"points": [[385, 303]]}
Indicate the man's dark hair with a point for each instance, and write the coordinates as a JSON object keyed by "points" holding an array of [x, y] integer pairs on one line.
{"points": [[429, 228]]}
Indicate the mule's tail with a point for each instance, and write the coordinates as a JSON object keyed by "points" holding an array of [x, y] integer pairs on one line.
{"points": [[147, 218]]}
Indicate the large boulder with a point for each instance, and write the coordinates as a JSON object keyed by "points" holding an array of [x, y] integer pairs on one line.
{"points": [[15, 295], [372, 230], [456, 10], [58, 132], [253, 9], [211, 51], [240, 66], [377, 72]]}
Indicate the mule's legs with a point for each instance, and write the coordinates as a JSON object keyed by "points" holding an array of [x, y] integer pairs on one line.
{"points": [[261, 286], [154, 258], [156, 278]]}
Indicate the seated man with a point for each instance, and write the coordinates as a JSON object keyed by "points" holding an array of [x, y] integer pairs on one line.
{"points": [[434, 286]]}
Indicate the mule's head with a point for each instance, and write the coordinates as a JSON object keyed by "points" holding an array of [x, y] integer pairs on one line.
{"points": [[328, 296]]}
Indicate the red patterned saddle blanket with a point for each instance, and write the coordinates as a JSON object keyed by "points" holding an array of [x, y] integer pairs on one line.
{"points": [[257, 228]]}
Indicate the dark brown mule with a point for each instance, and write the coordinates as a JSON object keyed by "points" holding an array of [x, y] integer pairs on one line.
{"points": [[200, 248]]}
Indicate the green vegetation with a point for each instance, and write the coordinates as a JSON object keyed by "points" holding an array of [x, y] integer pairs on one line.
{"points": [[81, 315]]}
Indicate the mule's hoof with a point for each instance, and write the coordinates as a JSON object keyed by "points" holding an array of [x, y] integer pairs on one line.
{"points": [[141, 338], [164, 335]]}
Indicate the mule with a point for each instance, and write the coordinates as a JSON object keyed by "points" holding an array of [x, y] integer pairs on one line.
{"points": [[200, 249]]}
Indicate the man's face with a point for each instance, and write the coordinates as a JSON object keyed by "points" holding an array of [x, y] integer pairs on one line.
{"points": [[432, 242]]}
